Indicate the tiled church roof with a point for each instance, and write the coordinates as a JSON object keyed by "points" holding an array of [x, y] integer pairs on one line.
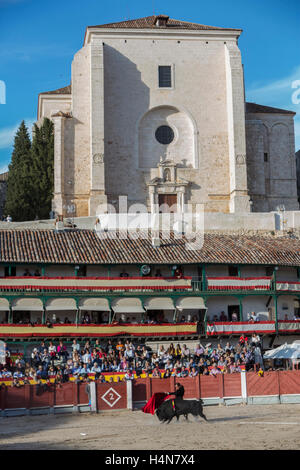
{"points": [[87, 247], [259, 108], [148, 22]]}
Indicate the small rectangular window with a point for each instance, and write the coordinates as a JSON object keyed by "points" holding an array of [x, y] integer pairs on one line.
{"points": [[81, 272], [10, 272], [164, 76], [269, 270], [265, 157], [233, 271]]}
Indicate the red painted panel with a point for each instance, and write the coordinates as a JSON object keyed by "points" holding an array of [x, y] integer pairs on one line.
{"points": [[111, 396], [209, 386], [83, 397], [139, 390], [40, 398], [262, 385], [289, 381], [232, 385], [190, 386], [64, 394], [161, 385], [16, 398]]}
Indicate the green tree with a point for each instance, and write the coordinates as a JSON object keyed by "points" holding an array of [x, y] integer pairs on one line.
{"points": [[42, 150], [19, 198]]}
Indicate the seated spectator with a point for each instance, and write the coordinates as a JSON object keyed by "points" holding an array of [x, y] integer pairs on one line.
{"points": [[234, 317], [16, 382], [120, 347], [129, 353], [185, 352], [184, 372], [156, 373], [234, 367], [26, 272], [214, 370], [52, 350], [129, 375], [255, 340], [178, 352], [254, 317], [101, 379], [84, 370], [223, 316], [18, 374], [6, 374], [169, 365], [193, 372], [62, 351]]}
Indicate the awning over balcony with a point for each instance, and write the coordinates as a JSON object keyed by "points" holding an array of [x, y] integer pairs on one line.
{"points": [[127, 305], [61, 304], [94, 304], [190, 303], [4, 305], [159, 303], [27, 305]]}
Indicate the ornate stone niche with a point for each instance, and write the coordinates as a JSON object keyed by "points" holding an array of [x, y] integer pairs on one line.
{"points": [[167, 183]]}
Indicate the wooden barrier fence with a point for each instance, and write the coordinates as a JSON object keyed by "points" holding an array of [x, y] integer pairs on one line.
{"points": [[244, 387]]}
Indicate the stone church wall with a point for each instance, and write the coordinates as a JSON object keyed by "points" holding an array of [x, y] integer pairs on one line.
{"points": [[271, 164]]}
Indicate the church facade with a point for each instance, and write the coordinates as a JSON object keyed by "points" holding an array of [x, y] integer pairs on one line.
{"points": [[156, 112]]}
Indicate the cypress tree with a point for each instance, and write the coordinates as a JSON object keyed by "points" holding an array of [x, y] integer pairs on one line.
{"points": [[43, 168], [19, 198]]}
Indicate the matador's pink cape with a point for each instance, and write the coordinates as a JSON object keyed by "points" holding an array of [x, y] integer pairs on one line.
{"points": [[154, 402]]}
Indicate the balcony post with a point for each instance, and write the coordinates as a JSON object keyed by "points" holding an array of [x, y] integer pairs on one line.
{"points": [[44, 313], [10, 314], [241, 307], [77, 310], [275, 297], [275, 278], [203, 277], [239, 270], [109, 315], [143, 313], [205, 317]]}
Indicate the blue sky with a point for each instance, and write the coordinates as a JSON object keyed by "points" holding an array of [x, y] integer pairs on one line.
{"points": [[39, 38]]}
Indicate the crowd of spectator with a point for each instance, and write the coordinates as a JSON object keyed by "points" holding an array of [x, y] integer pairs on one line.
{"points": [[61, 362]]}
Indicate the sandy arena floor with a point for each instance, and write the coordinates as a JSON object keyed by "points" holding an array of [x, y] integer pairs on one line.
{"points": [[228, 428]]}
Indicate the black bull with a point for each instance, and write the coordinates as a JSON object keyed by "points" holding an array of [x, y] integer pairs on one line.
{"points": [[171, 408]]}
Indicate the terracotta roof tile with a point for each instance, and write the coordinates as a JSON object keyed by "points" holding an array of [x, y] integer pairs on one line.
{"points": [[148, 22], [88, 247]]}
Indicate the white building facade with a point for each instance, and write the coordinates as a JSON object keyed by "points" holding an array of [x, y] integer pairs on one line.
{"points": [[156, 112]]}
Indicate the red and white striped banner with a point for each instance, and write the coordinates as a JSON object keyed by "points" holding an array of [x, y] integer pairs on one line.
{"points": [[238, 328], [238, 283], [289, 326], [289, 286]]}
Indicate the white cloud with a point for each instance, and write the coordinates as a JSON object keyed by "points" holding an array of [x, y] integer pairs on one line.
{"points": [[7, 134], [279, 94]]}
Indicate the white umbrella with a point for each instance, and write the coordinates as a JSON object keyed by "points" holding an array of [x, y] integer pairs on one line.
{"points": [[285, 351]]}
